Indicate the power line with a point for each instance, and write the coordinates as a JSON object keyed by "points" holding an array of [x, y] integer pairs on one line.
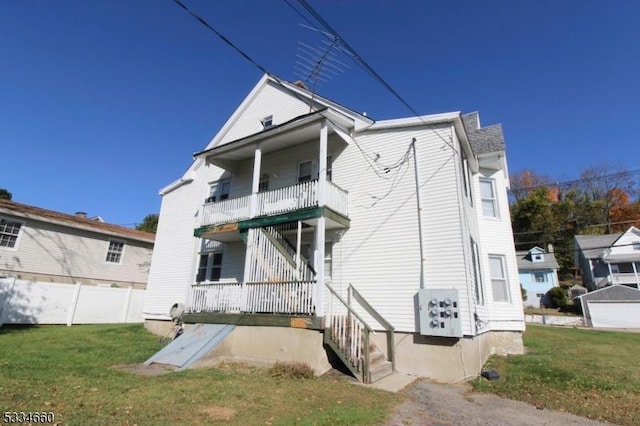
{"points": [[583, 226], [359, 60], [572, 182]]}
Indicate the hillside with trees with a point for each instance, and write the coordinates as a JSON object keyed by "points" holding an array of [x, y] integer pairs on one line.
{"points": [[604, 199]]}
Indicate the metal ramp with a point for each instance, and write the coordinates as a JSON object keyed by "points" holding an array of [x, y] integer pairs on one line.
{"points": [[196, 341]]}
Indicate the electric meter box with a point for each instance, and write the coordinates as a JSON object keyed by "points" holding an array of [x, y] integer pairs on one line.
{"points": [[439, 312]]}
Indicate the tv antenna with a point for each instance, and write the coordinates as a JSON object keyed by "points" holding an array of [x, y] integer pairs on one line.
{"points": [[317, 65]]}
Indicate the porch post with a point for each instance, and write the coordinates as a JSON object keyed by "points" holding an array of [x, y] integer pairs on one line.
{"points": [[635, 274], [255, 184], [610, 273], [320, 228]]}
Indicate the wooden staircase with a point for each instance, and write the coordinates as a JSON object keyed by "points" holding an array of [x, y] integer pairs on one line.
{"points": [[348, 336]]}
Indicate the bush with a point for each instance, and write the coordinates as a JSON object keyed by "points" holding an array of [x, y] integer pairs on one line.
{"points": [[291, 370], [557, 298]]}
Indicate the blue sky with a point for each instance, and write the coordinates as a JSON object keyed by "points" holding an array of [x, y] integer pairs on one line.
{"points": [[102, 103]]}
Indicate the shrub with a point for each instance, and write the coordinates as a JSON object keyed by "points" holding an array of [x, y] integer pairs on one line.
{"points": [[291, 370], [557, 297]]}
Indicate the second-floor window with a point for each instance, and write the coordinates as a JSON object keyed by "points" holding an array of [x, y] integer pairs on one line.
{"points": [[219, 191], [489, 200], [308, 170], [9, 233]]}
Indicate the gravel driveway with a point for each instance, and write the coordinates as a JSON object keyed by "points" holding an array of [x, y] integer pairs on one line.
{"points": [[431, 403]]}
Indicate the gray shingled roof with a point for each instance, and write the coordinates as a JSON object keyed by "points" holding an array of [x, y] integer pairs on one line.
{"points": [[593, 246], [524, 263], [471, 121], [483, 140], [487, 139]]}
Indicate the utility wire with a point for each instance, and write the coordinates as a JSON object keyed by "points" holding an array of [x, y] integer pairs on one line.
{"points": [[569, 183], [359, 60]]}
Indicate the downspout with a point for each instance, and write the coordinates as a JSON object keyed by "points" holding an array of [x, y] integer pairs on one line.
{"points": [[419, 207]]}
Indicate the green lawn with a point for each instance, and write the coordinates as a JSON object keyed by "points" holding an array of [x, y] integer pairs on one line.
{"points": [[590, 373], [66, 370]]}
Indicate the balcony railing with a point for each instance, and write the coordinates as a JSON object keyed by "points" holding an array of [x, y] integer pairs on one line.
{"points": [[625, 278], [282, 200], [288, 298]]}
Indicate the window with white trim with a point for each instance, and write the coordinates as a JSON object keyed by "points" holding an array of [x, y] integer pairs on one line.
{"points": [[115, 251], [488, 196], [219, 191], [499, 282], [210, 267], [9, 232]]}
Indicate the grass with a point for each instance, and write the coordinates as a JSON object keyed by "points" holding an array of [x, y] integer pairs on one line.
{"points": [[66, 370], [590, 373]]}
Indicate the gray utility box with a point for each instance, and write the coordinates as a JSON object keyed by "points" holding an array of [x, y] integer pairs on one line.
{"points": [[439, 312]]}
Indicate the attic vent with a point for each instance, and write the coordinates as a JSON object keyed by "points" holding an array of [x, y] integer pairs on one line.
{"points": [[267, 122]]}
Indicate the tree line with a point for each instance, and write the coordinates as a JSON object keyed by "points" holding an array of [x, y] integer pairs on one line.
{"points": [[603, 200]]}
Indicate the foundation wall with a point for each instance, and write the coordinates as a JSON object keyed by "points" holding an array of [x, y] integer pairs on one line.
{"points": [[267, 345]]}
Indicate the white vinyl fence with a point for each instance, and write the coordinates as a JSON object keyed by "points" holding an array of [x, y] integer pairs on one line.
{"points": [[28, 302]]}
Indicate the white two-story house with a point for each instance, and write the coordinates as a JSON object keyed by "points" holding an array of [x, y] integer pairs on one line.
{"points": [[309, 226]]}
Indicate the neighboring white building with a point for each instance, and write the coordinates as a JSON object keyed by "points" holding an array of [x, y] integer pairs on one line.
{"points": [[299, 207], [609, 259], [42, 245]]}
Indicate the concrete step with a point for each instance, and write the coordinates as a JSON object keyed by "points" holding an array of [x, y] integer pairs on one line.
{"points": [[380, 370]]}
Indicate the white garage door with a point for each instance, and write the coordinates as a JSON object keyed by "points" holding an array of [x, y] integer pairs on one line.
{"points": [[610, 314]]}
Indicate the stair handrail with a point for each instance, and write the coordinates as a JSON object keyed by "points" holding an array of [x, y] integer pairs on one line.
{"points": [[368, 330], [390, 329]]}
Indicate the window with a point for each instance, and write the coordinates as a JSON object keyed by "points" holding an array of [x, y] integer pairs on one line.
{"points": [[219, 191], [210, 267], [9, 232], [476, 273], [466, 178], [499, 283], [308, 170], [305, 171], [538, 257], [488, 195], [267, 122], [263, 185], [328, 260], [114, 252], [540, 277]]}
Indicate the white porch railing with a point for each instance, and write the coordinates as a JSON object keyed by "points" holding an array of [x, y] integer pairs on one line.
{"points": [[273, 298], [625, 278], [226, 211], [277, 201]]}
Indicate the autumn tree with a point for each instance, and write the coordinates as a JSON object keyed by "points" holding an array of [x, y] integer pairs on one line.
{"points": [[525, 181]]}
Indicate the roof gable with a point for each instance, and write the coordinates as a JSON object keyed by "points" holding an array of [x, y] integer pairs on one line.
{"points": [[281, 100]]}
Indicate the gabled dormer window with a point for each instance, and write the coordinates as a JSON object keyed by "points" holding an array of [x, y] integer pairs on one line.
{"points": [[267, 122]]}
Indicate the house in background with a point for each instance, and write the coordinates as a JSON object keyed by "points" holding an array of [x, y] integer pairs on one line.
{"points": [[304, 223], [47, 246], [538, 270], [609, 259]]}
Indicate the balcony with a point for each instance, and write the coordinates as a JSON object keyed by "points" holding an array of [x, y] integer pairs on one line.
{"points": [[275, 202], [625, 279]]}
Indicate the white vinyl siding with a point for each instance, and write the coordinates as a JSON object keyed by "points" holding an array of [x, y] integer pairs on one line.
{"points": [[380, 253], [72, 254]]}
